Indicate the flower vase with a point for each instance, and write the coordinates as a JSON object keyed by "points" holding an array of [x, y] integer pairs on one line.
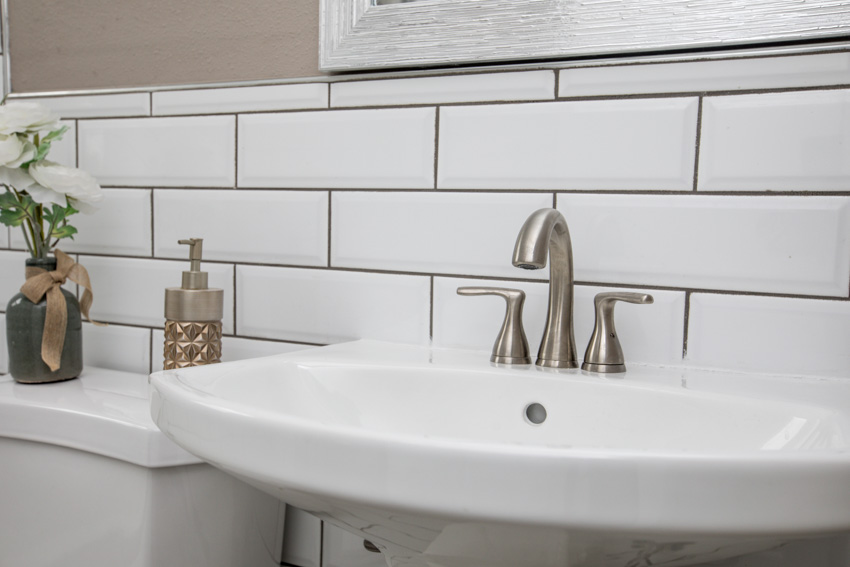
{"points": [[24, 331]]}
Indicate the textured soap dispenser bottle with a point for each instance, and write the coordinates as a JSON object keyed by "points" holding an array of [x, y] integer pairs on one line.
{"points": [[193, 316]]}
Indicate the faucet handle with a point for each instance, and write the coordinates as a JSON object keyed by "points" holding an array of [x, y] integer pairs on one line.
{"points": [[511, 346], [604, 353]]}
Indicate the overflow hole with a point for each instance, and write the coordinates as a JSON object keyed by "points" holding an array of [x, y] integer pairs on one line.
{"points": [[535, 413]]}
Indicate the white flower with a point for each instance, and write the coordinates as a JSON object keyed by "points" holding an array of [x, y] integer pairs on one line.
{"points": [[55, 183], [15, 150], [26, 118], [16, 177]]}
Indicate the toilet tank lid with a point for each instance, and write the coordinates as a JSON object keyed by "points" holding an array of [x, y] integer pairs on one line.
{"points": [[106, 412]]}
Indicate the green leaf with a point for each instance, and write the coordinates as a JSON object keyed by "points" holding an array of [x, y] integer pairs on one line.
{"points": [[66, 231], [12, 217], [55, 135], [55, 215], [8, 200]]}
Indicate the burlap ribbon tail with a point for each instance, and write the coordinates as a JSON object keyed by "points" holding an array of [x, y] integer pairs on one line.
{"points": [[39, 283]]}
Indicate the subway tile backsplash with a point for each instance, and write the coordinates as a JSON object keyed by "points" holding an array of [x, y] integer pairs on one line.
{"points": [[354, 207], [365, 149], [453, 89], [454, 233], [173, 152], [791, 141], [770, 244], [280, 227], [626, 144]]}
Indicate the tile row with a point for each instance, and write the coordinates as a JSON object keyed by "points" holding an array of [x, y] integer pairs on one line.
{"points": [[783, 335], [764, 244], [787, 141], [596, 80]]}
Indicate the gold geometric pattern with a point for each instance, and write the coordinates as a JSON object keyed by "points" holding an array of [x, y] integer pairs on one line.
{"points": [[191, 344]]}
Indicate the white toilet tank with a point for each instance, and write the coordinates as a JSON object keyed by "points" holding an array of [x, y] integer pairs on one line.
{"points": [[87, 480]]}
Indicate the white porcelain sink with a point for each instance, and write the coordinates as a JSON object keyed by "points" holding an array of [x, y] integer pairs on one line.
{"points": [[431, 455]]}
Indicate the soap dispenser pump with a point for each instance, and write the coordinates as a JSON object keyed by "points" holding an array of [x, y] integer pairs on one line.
{"points": [[193, 316]]}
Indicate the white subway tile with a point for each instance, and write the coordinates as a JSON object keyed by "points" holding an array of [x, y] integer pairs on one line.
{"points": [[11, 274], [794, 141], [326, 306], [132, 291], [648, 333], [182, 151], [734, 74], [4, 363], [526, 85], [776, 244], [448, 233], [97, 106], [770, 334], [121, 225], [281, 227], [4, 236], [611, 144], [64, 151], [118, 348], [236, 348], [389, 148], [241, 99]]}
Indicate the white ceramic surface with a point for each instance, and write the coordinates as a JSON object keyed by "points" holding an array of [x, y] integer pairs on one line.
{"points": [[89, 481], [444, 233], [98, 106], [527, 85], [700, 76], [608, 144], [792, 141], [387, 148], [778, 244], [770, 334], [241, 99], [281, 227], [194, 151], [428, 453], [325, 306]]}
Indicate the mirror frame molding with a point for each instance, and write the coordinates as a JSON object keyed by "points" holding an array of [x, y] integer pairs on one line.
{"points": [[357, 35]]}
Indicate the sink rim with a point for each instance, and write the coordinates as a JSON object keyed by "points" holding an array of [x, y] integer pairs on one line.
{"points": [[379, 471]]}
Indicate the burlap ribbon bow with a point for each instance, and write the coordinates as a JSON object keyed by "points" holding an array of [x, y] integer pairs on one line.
{"points": [[39, 283]]}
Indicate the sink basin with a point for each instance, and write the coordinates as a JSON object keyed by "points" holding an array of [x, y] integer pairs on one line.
{"points": [[441, 458]]}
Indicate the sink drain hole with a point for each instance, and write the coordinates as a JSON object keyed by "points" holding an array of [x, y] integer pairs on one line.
{"points": [[535, 413]]}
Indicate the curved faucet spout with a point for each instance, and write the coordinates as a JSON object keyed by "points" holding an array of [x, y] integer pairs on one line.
{"points": [[545, 233]]}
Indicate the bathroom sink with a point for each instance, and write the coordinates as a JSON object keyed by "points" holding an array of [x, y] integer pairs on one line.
{"points": [[439, 457]]}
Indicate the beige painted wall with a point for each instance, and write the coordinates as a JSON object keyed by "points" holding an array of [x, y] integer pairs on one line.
{"points": [[70, 45]]}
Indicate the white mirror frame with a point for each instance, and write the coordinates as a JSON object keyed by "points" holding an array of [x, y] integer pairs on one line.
{"points": [[357, 35]]}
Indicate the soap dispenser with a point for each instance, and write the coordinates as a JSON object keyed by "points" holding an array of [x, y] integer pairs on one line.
{"points": [[193, 316]]}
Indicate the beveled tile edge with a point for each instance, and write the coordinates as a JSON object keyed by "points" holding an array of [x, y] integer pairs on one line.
{"points": [[97, 105], [534, 85], [268, 98], [742, 74]]}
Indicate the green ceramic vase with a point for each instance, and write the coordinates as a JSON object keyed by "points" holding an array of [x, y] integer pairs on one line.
{"points": [[24, 328]]}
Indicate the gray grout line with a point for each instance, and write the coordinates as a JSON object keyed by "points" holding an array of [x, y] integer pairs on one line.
{"points": [[236, 150], [585, 98], [697, 144], [513, 191], [153, 224], [436, 145], [431, 320], [687, 313], [330, 226]]}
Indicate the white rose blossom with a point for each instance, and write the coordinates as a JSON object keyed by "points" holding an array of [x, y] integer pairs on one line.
{"points": [[26, 118], [15, 150], [54, 183]]}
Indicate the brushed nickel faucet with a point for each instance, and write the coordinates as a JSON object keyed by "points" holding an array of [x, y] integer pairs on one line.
{"points": [[545, 233]]}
